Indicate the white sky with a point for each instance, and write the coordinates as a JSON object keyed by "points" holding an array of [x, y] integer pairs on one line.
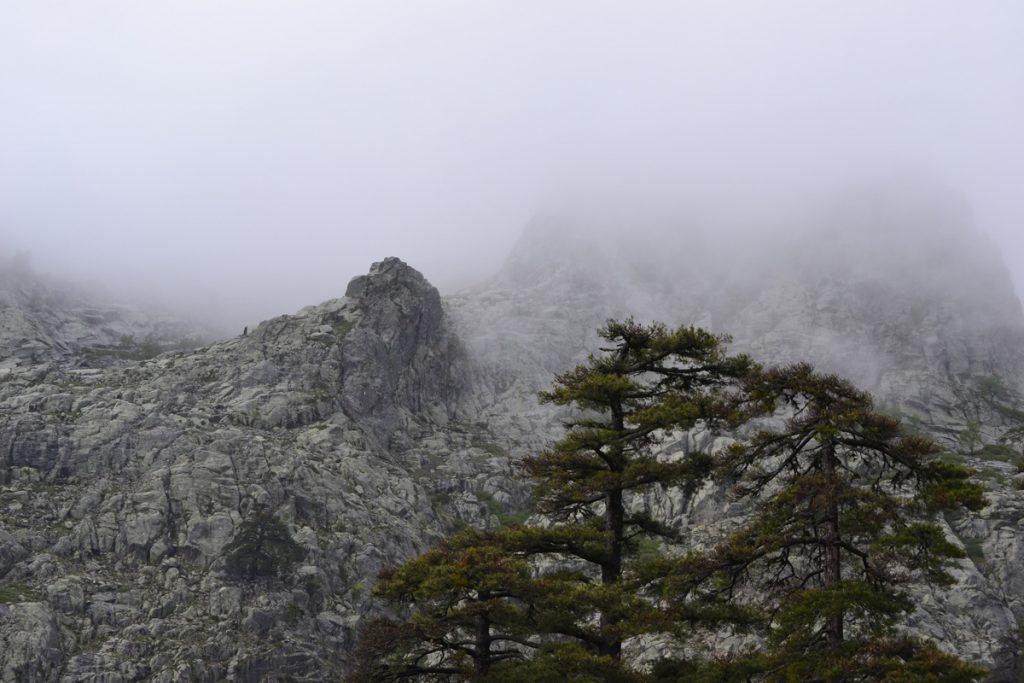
{"points": [[255, 155]]}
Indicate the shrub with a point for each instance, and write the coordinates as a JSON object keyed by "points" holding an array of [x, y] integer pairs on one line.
{"points": [[262, 548]]}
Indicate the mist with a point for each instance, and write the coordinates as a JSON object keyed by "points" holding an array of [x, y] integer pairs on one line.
{"points": [[243, 159]]}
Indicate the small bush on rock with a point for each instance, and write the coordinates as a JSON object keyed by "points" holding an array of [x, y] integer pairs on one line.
{"points": [[262, 548]]}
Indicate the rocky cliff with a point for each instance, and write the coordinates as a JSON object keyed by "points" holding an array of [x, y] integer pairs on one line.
{"points": [[122, 487], [372, 424]]}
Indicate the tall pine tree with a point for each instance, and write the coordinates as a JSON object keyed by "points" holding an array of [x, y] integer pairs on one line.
{"points": [[844, 522], [649, 382], [477, 615]]}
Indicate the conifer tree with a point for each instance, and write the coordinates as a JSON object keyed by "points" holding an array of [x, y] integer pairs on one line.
{"points": [[480, 612], [262, 548], [469, 607], [649, 382], [845, 521]]}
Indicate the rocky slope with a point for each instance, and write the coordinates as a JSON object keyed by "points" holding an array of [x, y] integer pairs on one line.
{"points": [[44, 320], [122, 487], [372, 424]]}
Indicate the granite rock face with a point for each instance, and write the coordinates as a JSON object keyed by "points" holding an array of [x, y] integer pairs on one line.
{"points": [[373, 424], [122, 487], [44, 320]]}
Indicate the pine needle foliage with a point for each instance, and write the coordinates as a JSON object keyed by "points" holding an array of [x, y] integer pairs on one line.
{"points": [[468, 608], [649, 382], [844, 507], [261, 548], [556, 599], [844, 522]]}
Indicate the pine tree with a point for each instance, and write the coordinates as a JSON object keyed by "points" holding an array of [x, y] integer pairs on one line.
{"points": [[262, 547], [555, 600], [468, 606], [845, 520], [590, 484]]}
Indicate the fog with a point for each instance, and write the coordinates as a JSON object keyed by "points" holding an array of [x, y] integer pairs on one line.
{"points": [[245, 158]]}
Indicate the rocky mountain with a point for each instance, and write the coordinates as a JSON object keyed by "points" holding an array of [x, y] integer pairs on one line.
{"points": [[893, 289], [371, 425], [122, 487], [46, 320]]}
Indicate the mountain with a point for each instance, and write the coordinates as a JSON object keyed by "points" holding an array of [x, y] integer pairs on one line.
{"points": [[373, 424], [47, 320], [892, 288], [122, 488]]}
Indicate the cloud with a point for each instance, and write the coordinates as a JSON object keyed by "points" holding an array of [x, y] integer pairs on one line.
{"points": [[261, 153]]}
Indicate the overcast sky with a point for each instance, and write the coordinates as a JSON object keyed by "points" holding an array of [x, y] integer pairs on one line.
{"points": [[255, 155]]}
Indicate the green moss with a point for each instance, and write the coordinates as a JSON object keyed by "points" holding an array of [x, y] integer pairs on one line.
{"points": [[343, 327]]}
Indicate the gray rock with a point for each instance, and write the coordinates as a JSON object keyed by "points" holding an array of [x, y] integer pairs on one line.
{"points": [[30, 643], [371, 425]]}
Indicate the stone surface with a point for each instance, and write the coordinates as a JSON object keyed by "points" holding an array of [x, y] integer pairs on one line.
{"points": [[373, 424]]}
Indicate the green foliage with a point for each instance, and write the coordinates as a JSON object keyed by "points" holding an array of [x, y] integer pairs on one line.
{"points": [[470, 605], [568, 621], [970, 437], [843, 522], [261, 548], [15, 592], [292, 613], [649, 382], [998, 451], [149, 349], [128, 349], [888, 660], [992, 387], [844, 504]]}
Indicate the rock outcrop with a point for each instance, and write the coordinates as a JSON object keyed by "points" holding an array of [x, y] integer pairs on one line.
{"points": [[122, 488]]}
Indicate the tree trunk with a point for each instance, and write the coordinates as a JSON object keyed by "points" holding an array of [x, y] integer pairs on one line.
{"points": [[482, 657], [615, 516], [833, 568]]}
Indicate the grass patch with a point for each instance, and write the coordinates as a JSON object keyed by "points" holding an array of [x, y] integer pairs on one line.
{"points": [[15, 592], [998, 451]]}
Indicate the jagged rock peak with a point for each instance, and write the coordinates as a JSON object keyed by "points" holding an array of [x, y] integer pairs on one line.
{"points": [[400, 306], [401, 355], [390, 274]]}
